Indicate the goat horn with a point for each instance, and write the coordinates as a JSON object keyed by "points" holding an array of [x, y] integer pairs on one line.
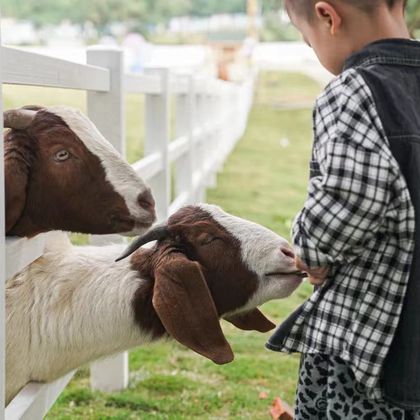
{"points": [[155, 234], [18, 118], [33, 107]]}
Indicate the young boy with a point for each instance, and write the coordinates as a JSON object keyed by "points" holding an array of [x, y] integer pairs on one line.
{"points": [[359, 333]]}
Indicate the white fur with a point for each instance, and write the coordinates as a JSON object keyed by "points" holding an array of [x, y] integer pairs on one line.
{"points": [[261, 253], [120, 174], [88, 302], [260, 247]]}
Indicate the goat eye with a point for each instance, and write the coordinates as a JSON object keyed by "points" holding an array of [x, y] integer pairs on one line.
{"points": [[208, 239], [61, 156]]}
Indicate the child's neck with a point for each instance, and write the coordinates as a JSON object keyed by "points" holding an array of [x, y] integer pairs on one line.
{"points": [[384, 25]]}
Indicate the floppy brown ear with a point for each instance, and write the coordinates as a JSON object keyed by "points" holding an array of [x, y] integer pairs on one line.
{"points": [[251, 320], [16, 166], [186, 308]]}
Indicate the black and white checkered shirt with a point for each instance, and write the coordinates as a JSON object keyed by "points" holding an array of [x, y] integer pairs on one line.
{"points": [[359, 220]]}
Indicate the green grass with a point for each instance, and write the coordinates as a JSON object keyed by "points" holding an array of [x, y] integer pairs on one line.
{"points": [[295, 89], [263, 180]]}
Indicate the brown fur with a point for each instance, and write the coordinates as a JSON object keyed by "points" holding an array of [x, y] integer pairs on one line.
{"points": [[43, 194], [189, 278], [252, 320]]}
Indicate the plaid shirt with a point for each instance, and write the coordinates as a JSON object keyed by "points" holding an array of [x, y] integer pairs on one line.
{"points": [[359, 220]]}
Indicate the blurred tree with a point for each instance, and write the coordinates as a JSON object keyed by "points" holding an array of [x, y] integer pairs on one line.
{"points": [[104, 11], [276, 27], [413, 14], [45, 11], [152, 12], [207, 8]]}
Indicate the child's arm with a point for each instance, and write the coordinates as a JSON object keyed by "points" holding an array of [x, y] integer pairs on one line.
{"points": [[346, 205]]}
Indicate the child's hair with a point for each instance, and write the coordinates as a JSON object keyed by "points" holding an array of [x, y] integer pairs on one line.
{"points": [[305, 7]]}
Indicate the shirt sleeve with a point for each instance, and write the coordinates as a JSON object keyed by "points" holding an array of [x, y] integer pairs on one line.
{"points": [[347, 203]]}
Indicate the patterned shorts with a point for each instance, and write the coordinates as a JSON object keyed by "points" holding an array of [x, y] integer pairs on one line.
{"points": [[327, 390]]}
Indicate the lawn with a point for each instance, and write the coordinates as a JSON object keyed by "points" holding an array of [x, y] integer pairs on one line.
{"points": [[263, 180]]}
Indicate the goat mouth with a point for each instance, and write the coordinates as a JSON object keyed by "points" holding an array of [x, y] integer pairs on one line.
{"points": [[133, 221], [300, 274]]}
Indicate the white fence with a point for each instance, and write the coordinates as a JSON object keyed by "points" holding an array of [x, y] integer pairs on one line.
{"points": [[210, 116]]}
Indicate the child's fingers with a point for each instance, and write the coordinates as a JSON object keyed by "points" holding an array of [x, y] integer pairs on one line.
{"points": [[316, 281], [316, 276], [300, 265]]}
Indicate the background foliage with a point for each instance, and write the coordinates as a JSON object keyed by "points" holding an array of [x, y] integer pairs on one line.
{"points": [[413, 9], [101, 12], [145, 14]]}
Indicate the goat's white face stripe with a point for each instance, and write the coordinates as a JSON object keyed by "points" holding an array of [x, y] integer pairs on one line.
{"points": [[260, 246], [120, 174], [261, 253]]}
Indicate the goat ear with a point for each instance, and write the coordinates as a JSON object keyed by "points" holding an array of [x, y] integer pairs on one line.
{"points": [[252, 320], [186, 308], [16, 179]]}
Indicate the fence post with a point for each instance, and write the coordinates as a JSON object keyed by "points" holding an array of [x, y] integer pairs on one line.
{"points": [[213, 140], [185, 127], [2, 264], [200, 122], [157, 112], [106, 110]]}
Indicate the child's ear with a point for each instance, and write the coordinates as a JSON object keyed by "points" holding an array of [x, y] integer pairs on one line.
{"points": [[328, 15]]}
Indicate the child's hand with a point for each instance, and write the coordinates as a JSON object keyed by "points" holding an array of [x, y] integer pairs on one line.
{"points": [[316, 276]]}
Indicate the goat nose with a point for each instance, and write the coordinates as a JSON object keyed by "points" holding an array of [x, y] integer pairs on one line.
{"points": [[287, 251], [146, 200]]}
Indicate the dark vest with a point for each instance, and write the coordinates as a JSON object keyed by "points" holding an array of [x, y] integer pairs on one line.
{"points": [[392, 71]]}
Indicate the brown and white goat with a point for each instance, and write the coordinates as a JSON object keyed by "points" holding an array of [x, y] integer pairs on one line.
{"points": [[62, 174], [75, 304]]}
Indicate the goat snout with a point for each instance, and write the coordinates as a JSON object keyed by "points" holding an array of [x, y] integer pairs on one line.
{"points": [[146, 200], [287, 252]]}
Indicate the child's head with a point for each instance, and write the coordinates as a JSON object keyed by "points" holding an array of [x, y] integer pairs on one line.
{"points": [[337, 28]]}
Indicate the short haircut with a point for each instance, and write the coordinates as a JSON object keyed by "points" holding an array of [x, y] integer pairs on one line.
{"points": [[306, 7]]}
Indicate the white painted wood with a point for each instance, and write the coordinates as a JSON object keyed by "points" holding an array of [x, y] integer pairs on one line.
{"points": [[201, 132], [2, 258], [149, 166], [213, 142], [35, 399], [28, 68], [20, 252], [184, 166], [227, 114], [106, 110], [180, 201], [201, 120], [178, 147], [179, 85], [106, 374], [200, 177], [157, 112], [142, 83]]}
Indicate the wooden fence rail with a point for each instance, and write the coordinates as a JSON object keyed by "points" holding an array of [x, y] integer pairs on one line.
{"points": [[210, 116]]}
